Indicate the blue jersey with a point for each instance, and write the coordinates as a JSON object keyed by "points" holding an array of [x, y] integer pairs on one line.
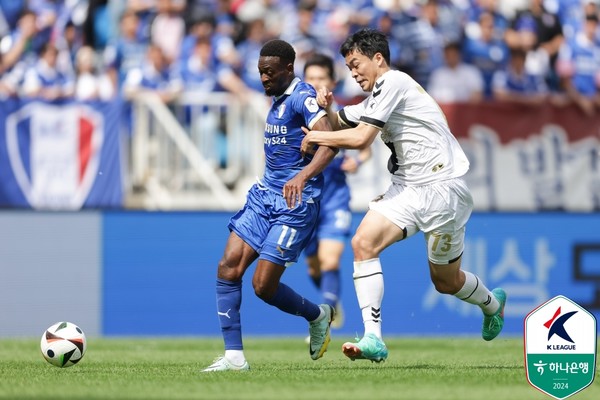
{"points": [[336, 189], [582, 56], [295, 108], [335, 218]]}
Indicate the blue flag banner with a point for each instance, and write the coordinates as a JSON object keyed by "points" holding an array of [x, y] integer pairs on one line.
{"points": [[60, 156]]}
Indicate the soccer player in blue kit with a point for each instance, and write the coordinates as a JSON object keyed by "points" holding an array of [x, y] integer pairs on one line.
{"points": [[280, 211]]}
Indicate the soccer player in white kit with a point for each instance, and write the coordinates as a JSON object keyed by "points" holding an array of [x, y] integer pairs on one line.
{"points": [[427, 192]]}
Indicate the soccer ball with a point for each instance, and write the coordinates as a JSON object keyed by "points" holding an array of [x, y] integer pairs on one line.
{"points": [[63, 344]]}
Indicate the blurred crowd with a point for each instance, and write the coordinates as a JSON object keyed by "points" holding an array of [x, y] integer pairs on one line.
{"points": [[528, 51]]}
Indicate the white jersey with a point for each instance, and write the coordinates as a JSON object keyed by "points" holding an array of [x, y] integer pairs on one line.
{"points": [[413, 127]]}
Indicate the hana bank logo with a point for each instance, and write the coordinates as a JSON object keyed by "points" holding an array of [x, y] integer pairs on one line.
{"points": [[54, 152]]}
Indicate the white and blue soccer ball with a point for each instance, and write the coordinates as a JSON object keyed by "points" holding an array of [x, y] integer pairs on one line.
{"points": [[63, 344]]}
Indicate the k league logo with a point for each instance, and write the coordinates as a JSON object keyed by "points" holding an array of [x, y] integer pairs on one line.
{"points": [[560, 347]]}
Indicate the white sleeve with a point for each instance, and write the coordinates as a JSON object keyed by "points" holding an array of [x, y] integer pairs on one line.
{"points": [[350, 115], [387, 94]]}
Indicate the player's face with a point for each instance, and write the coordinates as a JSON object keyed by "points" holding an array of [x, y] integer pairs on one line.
{"points": [[363, 69], [318, 77], [274, 75]]}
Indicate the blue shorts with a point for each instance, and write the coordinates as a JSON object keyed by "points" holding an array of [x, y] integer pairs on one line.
{"points": [[276, 232], [334, 223]]}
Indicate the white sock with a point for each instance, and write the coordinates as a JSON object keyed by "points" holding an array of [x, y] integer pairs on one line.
{"points": [[368, 283], [475, 292], [321, 315], [236, 357]]}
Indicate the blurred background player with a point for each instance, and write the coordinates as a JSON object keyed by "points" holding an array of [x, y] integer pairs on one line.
{"points": [[324, 251], [280, 212]]}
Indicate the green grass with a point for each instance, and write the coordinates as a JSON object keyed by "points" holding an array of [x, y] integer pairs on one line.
{"points": [[417, 368]]}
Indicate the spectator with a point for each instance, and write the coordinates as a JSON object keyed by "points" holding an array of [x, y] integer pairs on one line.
{"points": [[472, 26], [579, 67], [168, 29], [422, 42], [456, 81], [514, 84], [17, 46], [45, 80], [486, 52], [204, 26], [127, 52], [145, 10], [89, 84], [68, 44], [302, 37], [249, 51], [155, 75], [198, 70], [539, 33]]}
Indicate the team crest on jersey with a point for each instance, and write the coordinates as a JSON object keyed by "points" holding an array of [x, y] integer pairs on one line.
{"points": [[64, 144], [311, 104], [280, 111]]}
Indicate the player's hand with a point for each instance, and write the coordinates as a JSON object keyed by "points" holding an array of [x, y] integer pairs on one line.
{"points": [[350, 164], [292, 191], [324, 97]]}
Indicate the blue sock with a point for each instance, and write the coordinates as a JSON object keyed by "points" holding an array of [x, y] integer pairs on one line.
{"points": [[316, 280], [330, 287], [292, 303], [229, 301]]}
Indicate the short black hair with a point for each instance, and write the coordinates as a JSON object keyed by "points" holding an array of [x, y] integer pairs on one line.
{"points": [[279, 48], [453, 44], [321, 60], [367, 41]]}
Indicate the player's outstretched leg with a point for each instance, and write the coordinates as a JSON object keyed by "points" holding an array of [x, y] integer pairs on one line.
{"points": [[493, 324], [223, 364], [320, 332], [370, 347]]}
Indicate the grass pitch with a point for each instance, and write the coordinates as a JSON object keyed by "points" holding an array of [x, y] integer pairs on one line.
{"points": [[417, 369]]}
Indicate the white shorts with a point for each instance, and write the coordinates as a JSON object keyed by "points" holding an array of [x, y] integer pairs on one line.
{"points": [[440, 210]]}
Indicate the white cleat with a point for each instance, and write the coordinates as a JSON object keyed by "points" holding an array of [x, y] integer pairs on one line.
{"points": [[223, 364]]}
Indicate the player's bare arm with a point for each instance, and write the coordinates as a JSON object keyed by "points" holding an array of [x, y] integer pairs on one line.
{"points": [[292, 190], [359, 137]]}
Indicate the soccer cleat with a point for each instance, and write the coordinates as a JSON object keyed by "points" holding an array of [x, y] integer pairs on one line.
{"points": [[338, 322], [493, 324], [222, 364], [370, 347], [319, 333]]}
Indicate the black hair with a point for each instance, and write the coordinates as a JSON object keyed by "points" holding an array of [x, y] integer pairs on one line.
{"points": [[321, 60], [279, 48], [453, 44], [368, 42]]}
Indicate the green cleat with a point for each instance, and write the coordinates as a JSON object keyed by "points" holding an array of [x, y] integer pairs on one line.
{"points": [[319, 333], [370, 347], [493, 324]]}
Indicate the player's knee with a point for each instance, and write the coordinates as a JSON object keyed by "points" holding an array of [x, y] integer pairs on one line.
{"points": [[263, 290], [445, 286], [229, 270], [361, 246]]}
